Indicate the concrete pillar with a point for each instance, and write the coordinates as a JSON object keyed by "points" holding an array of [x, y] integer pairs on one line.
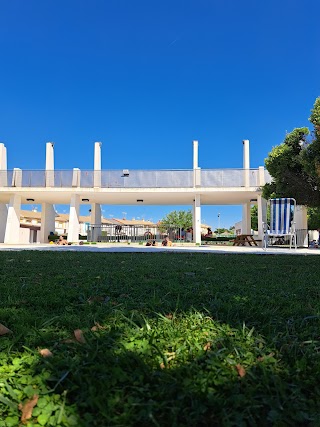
{"points": [[48, 216], [3, 183], [246, 219], [3, 220], [12, 233], [95, 207], [97, 164], [261, 178], [16, 177], [76, 177], [262, 215], [49, 164], [196, 169], [197, 219], [301, 221], [3, 165], [95, 221], [73, 230], [246, 162]]}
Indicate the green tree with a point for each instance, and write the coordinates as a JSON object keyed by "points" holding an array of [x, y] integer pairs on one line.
{"points": [[295, 164], [313, 218], [254, 217], [181, 219]]}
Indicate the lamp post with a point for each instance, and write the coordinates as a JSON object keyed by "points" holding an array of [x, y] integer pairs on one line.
{"points": [[218, 224]]}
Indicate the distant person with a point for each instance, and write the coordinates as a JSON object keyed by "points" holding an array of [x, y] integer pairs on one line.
{"points": [[166, 241], [209, 232], [154, 243], [183, 233], [148, 243], [62, 241]]}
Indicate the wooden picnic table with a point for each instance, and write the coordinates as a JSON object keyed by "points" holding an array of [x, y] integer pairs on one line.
{"points": [[243, 239]]}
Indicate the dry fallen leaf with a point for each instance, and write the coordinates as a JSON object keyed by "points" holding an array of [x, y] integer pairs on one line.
{"points": [[97, 327], [79, 336], [207, 346], [241, 370], [162, 366], [262, 358], [169, 316], [4, 330], [45, 352], [28, 407]]}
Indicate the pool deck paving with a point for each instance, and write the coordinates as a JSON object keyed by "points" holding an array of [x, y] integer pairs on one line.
{"points": [[124, 247]]}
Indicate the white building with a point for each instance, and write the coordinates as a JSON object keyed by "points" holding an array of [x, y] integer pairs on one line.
{"points": [[194, 187]]}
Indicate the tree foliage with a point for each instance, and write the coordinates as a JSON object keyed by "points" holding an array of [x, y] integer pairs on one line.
{"points": [[181, 219], [313, 218], [254, 217], [295, 164]]}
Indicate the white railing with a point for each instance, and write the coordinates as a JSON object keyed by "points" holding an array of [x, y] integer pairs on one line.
{"points": [[214, 178]]}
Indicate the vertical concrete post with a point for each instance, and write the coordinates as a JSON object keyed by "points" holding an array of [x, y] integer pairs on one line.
{"points": [[301, 220], [12, 233], [246, 218], [262, 178], [246, 162], [196, 169], [3, 220], [197, 219], [3, 165], [95, 207], [73, 230], [262, 215], [48, 216], [49, 164], [76, 174], [97, 164], [95, 221], [3, 183]]}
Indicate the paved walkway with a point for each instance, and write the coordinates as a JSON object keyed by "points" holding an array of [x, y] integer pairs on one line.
{"points": [[118, 247]]}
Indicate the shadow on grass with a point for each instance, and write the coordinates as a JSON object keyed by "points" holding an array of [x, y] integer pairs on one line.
{"points": [[170, 346]]}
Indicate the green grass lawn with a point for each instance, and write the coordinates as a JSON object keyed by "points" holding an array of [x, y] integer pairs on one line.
{"points": [[162, 339]]}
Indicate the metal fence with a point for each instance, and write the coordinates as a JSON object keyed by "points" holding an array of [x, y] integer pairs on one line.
{"points": [[77, 178], [134, 233], [302, 239]]}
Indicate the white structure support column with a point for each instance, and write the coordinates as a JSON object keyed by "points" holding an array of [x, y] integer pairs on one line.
{"points": [[95, 221], [3, 165], [196, 169], [301, 220], [197, 219], [95, 207], [97, 164], [12, 233], [262, 215], [48, 216], [74, 226], [76, 176], [3, 183], [3, 220], [246, 218], [246, 162], [49, 164]]}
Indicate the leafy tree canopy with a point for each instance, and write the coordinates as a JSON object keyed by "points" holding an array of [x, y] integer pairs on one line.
{"points": [[295, 164], [181, 219]]}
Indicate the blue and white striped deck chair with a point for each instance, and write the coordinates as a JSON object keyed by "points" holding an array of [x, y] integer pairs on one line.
{"points": [[282, 212]]}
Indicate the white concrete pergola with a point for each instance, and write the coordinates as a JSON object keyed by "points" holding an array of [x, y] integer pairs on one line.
{"points": [[194, 187]]}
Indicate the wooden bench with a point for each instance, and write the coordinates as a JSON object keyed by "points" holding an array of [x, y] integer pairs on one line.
{"points": [[243, 239]]}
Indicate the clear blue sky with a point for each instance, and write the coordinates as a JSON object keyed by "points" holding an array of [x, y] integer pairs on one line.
{"points": [[147, 77]]}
